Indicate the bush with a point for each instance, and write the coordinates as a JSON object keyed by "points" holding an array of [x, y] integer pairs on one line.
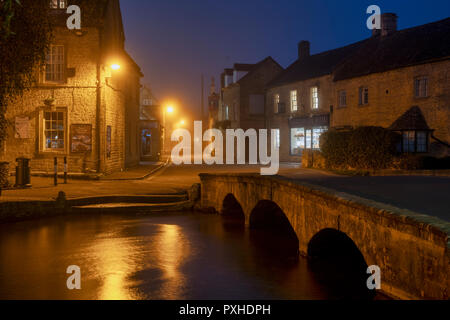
{"points": [[367, 148]]}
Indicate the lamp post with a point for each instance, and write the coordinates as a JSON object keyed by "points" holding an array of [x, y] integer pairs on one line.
{"points": [[169, 109]]}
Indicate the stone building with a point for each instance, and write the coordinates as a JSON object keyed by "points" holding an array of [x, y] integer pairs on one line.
{"points": [[299, 100], [213, 105], [242, 100], [395, 79], [150, 126], [85, 102], [400, 80]]}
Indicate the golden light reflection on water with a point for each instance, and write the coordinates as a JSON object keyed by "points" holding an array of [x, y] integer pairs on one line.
{"points": [[117, 260], [173, 251]]}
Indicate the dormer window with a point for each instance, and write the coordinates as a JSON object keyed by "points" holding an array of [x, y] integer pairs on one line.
{"points": [[58, 4]]}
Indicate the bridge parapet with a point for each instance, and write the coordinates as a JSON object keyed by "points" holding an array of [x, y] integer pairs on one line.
{"points": [[412, 249]]}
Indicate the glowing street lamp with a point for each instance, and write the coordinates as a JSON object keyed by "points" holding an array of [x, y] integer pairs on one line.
{"points": [[115, 66], [170, 110]]}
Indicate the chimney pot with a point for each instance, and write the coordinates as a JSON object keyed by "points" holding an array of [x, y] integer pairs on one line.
{"points": [[303, 50], [388, 24]]}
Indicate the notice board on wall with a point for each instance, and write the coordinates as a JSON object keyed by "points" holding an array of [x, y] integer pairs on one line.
{"points": [[81, 138], [22, 128]]}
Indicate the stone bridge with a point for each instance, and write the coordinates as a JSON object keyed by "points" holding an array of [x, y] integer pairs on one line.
{"points": [[412, 250]]}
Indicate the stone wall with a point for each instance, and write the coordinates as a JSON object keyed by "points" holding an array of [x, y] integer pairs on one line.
{"points": [[281, 121], [391, 94], [411, 249], [108, 104]]}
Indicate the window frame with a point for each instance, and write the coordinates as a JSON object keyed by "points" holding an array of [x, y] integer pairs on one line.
{"points": [[294, 100], [314, 98], [427, 141], [63, 79], [417, 87], [276, 102], [363, 96], [58, 4], [42, 137], [340, 104]]}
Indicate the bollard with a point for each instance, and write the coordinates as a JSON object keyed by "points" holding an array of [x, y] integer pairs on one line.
{"points": [[56, 172], [65, 170]]}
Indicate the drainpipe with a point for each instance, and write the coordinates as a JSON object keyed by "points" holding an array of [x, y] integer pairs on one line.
{"points": [[99, 105]]}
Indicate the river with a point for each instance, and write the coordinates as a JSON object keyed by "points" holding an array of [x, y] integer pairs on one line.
{"points": [[162, 256]]}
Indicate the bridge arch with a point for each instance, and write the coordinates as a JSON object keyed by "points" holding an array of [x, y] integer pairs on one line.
{"points": [[232, 210], [336, 260], [279, 234]]}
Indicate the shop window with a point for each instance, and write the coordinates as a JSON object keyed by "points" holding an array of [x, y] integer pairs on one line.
{"points": [[297, 141]]}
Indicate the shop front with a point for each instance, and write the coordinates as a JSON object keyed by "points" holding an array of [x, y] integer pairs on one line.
{"points": [[305, 133]]}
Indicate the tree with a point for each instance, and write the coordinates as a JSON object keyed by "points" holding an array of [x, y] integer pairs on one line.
{"points": [[25, 35]]}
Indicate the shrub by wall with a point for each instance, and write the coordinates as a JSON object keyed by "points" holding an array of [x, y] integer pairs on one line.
{"points": [[369, 148]]}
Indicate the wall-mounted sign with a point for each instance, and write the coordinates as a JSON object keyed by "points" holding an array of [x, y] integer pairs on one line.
{"points": [[22, 128], [81, 138]]}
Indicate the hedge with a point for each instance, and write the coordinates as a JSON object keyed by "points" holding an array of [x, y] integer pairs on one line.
{"points": [[368, 148]]}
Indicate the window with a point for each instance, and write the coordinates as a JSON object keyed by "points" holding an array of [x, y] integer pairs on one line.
{"points": [[294, 103], [421, 87], [54, 131], [227, 113], [276, 102], [314, 98], [297, 141], [342, 98], [415, 142], [54, 68], [58, 4], [302, 138], [277, 138], [363, 96], [147, 102]]}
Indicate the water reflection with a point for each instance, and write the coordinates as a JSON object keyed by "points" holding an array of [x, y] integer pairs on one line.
{"points": [[170, 256]]}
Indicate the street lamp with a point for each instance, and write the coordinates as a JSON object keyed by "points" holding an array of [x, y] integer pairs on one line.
{"points": [[115, 66]]}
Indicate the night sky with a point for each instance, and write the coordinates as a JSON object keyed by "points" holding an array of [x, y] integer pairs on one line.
{"points": [[175, 41]]}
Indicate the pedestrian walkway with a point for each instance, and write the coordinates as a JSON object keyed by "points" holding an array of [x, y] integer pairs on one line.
{"points": [[142, 171]]}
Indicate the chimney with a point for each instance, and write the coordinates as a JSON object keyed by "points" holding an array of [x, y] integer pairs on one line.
{"points": [[303, 50], [388, 24]]}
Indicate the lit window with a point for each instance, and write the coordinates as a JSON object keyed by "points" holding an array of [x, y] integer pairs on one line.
{"points": [[276, 102], [314, 98], [227, 113], [58, 4], [421, 87], [297, 141], [147, 102], [342, 98], [363, 96], [415, 141], [294, 103], [54, 67], [277, 138], [54, 130]]}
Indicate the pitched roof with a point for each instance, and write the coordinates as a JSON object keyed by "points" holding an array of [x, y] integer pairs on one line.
{"points": [[256, 66], [316, 65], [425, 43], [412, 119]]}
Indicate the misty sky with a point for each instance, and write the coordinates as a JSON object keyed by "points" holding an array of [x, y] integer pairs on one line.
{"points": [[175, 41]]}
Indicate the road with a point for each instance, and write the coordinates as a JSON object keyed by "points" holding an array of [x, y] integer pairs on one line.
{"points": [[423, 194]]}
